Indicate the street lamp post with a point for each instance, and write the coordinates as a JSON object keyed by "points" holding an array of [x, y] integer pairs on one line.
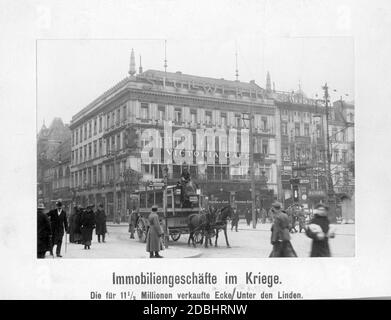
{"points": [[251, 166], [330, 187]]}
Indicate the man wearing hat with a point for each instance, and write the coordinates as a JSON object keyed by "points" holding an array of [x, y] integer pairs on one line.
{"points": [[319, 231], [58, 222], [44, 232], [280, 238], [154, 243]]}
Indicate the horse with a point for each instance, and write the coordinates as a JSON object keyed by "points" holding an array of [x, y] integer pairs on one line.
{"points": [[221, 223], [206, 223], [197, 222]]}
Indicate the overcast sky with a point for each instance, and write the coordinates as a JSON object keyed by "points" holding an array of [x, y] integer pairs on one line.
{"points": [[289, 42]]}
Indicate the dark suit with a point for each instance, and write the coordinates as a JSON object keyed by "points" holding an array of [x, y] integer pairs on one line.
{"points": [[44, 234], [280, 238], [58, 223]]}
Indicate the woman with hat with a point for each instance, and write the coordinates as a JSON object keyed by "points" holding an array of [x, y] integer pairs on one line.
{"points": [[154, 243], [319, 231]]}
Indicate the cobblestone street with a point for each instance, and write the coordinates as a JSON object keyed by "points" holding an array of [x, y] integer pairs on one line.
{"points": [[246, 243]]}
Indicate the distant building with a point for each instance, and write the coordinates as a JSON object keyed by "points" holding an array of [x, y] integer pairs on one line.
{"points": [[51, 149], [342, 147], [302, 148]]}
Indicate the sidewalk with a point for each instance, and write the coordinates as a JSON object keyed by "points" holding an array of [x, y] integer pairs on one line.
{"points": [[118, 245]]}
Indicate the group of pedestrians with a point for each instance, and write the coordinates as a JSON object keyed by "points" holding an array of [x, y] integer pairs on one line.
{"points": [[52, 226], [82, 223], [318, 229]]}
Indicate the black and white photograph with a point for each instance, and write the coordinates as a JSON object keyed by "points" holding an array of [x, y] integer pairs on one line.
{"points": [[230, 152], [212, 137]]}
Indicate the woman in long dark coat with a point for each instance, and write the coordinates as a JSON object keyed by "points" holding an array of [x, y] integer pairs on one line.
{"points": [[280, 238], [44, 233], [87, 226], [74, 226], [100, 218], [154, 242], [319, 231]]}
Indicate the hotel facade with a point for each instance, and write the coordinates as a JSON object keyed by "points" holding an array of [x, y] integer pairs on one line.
{"points": [[112, 140]]}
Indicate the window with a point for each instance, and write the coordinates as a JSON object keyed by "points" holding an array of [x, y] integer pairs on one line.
{"points": [[100, 124], [89, 150], [77, 137], [100, 176], [118, 141], [334, 134], [124, 115], [335, 155], [265, 147], [297, 129], [85, 153], [112, 118], [223, 119], [161, 109], [95, 149], [193, 116], [89, 129], [144, 111], [208, 117], [284, 128], [298, 153], [285, 152], [113, 143], [237, 120], [178, 115], [118, 116], [343, 136], [344, 158], [81, 154], [306, 130], [318, 131], [100, 147], [95, 125], [108, 121], [85, 131], [264, 123], [73, 157]]}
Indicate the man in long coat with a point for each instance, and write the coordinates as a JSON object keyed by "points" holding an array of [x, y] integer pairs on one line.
{"points": [[87, 226], [280, 238], [318, 230], [235, 220], [100, 219], [44, 233], [154, 242], [58, 223], [133, 216]]}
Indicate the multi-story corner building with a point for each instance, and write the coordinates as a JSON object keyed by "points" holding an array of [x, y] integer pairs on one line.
{"points": [[158, 122], [341, 122]]}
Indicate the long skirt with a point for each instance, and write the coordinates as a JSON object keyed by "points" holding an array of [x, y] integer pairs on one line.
{"points": [[86, 235], [283, 249]]}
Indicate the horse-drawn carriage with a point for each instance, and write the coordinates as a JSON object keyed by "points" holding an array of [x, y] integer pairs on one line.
{"points": [[175, 204], [182, 209]]}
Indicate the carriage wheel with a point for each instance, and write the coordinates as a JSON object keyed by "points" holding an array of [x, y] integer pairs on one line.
{"points": [[175, 236], [141, 231]]}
